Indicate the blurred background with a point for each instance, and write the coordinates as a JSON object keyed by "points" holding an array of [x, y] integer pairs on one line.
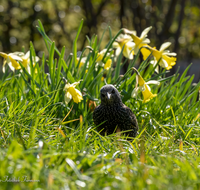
{"points": [[177, 21]]}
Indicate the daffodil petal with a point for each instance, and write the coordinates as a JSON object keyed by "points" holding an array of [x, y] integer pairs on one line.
{"points": [[15, 57], [19, 54], [4, 55], [153, 82], [163, 63], [170, 54], [148, 87], [28, 69], [11, 67], [130, 44], [135, 92], [165, 46], [157, 69], [75, 84], [118, 51], [27, 55], [145, 32], [67, 97], [146, 41], [3, 68], [153, 62], [115, 45]]}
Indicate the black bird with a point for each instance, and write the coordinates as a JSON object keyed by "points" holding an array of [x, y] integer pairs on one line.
{"points": [[112, 115]]}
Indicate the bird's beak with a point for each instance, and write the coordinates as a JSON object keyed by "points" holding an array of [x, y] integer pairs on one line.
{"points": [[108, 96]]}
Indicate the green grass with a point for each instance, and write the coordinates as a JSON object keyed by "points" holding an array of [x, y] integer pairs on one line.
{"points": [[46, 144]]}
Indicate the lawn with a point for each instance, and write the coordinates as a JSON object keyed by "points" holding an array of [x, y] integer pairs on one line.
{"points": [[48, 138]]}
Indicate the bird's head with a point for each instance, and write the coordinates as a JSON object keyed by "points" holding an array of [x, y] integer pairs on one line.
{"points": [[109, 95]]}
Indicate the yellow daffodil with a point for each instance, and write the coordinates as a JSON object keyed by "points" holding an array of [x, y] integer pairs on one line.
{"points": [[144, 87], [13, 59], [72, 93], [139, 41], [167, 59], [125, 41]]}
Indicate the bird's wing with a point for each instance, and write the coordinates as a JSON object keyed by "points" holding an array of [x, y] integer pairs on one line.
{"points": [[132, 117], [98, 120]]}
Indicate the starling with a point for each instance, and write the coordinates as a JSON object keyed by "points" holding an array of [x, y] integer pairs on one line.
{"points": [[112, 115]]}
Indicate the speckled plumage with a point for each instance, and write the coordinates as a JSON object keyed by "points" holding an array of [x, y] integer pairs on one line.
{"points": [[115, 115]]}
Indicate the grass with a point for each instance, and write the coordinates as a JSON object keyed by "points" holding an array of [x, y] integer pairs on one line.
{"points": [[46, 144]]}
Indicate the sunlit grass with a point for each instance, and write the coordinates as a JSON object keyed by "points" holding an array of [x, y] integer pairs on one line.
{"points": [[47, 144]]}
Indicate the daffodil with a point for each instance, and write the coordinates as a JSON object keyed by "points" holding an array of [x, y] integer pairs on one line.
{"points": [[82, 61], [124, 41], [167, 59], [144, 87], [72, 93], [101, 54], [99, 60], [13, 59], [108, 64], [26, 61], [163, 55], [139, 41]]}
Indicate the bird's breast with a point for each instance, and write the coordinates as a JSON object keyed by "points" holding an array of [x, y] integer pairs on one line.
{"points": [[113, 113]]}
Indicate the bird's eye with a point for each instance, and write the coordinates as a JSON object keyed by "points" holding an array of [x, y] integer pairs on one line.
{"points": [[113, 91], [103, 95]]}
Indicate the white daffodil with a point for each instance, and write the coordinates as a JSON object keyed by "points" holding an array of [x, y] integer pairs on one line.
{"points": [[125, 41], [72, 93]]}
